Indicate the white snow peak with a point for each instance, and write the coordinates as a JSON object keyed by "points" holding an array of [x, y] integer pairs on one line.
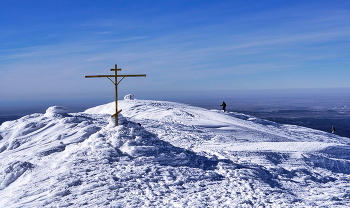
{"points": [[129, 97], [56, 110], [167, 154]]}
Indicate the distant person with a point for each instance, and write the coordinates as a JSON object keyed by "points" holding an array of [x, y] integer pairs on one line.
{"points": [[333, 129], [223, 106]]}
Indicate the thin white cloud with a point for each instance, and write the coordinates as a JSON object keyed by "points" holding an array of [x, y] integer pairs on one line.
{"points": [[122, 39]]}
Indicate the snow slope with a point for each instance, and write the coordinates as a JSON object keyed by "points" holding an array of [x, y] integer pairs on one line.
{"points": [[180, 156]]}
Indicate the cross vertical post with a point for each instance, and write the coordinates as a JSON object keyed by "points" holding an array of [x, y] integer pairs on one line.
{"points": [[116, 83], [116, 95]]}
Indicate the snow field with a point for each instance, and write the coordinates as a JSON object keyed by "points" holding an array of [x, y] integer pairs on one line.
{"points": [[180, 156]]}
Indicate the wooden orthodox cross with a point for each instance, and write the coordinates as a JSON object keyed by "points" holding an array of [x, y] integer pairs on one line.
{"points": [[116, 87]]}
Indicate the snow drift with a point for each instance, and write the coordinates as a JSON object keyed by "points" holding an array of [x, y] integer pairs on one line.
{"points": [[168, 154]]}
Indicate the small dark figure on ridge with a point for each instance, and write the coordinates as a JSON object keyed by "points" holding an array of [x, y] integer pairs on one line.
{"points": [[333, 129], [223, 106]]}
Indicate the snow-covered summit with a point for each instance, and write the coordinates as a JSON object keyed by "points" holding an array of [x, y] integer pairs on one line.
{"points": [[168, 154], [129, 97], [56, 111]]}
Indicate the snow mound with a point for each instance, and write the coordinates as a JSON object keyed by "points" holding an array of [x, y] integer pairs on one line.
{"points": [[129, 97], [131, 139], [56, 111]]}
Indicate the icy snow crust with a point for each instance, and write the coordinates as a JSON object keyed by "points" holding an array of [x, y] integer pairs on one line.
{"points": [[180, 156]]}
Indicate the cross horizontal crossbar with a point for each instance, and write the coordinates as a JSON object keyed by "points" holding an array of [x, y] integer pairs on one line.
{"points": [[135, 75]]}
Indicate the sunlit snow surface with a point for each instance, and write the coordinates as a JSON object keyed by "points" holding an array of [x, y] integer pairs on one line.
{"points": [[180, 156]]}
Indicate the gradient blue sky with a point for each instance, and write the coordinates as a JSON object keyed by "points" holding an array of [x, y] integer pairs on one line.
{"points": [[47, 47]]}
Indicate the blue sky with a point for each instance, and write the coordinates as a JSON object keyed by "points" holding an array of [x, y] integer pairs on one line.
{"points": [[47, 47]]}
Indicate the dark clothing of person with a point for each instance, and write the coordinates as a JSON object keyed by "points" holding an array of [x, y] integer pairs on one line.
{"points": [[223, 106], [333, 129]]}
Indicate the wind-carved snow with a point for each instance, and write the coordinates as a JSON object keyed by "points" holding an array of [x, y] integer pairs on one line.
{"points": [[166, 154], [56, 111], [129, 97]]}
